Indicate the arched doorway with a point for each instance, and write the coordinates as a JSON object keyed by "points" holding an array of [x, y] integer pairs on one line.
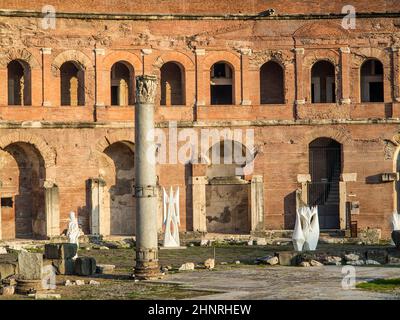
{"points": [[22, 172], [227, 194], [325, 162], [117, 170]]}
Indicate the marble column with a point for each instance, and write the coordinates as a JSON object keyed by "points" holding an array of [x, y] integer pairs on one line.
{"points": [[199, 203], [97, 216], [52, 202], [146, 181], [257, 203]]}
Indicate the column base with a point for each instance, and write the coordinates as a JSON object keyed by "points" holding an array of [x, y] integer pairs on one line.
{"points": [[147, 267]]}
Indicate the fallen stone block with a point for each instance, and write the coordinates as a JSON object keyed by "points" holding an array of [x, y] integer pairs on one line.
{"points": [[378, 255], [105, 268], [209, 264], [7, 290], [394, 256], [47, 296], [7, 269], [85, 266], [80, 282], [272, 261], [351, 257], [30, 266], [333, 260], [287, 258], [3, 250], [189, 266], [305, 264], [315, 263], [64, 267], [94, 283], [372, 262], [60, 251]]}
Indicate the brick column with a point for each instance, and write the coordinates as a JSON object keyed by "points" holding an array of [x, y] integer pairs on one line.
{"points": [[299, 53], [396, 74], [245, 76], [101, 90], [200, 85], [46, 77], [345, 75]]}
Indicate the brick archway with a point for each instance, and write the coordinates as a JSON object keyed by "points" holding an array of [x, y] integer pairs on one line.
{"points": [[71, 55], [49, 155]]}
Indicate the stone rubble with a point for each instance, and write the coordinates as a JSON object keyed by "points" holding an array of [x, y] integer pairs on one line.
{"points": [[352, 257], [209, 264], [189, 266]]}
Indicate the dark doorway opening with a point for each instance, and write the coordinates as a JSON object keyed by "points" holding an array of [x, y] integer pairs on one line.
{"points": [[325, 168]]}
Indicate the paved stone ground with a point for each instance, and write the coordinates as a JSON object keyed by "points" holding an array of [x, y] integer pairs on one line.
{"points": [[286, 283]]}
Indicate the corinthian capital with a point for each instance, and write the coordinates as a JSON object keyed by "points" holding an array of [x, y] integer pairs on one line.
{"points": [[146, 89]]}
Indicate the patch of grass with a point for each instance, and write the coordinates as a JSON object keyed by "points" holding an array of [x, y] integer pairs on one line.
{"points": [[380, 285]]}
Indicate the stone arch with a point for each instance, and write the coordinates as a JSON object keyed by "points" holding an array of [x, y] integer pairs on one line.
{"points": [[49, 154], [341, 136], [233, 61], [18, 54], [311, 58], [321, 30], [225, 56], [361, 55], [114, 137], [177, 57], [127, 56], [71, 55]]}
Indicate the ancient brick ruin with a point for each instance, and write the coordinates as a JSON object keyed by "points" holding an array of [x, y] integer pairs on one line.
{"points": [[323, 101]]}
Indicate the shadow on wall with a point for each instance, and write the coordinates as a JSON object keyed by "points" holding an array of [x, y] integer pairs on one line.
{"points": [[289, 218], [375, 179]]}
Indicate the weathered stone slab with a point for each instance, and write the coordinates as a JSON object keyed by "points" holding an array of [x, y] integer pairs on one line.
{"points": [[105, 268], [6, 270], [287, 258], [85, 266], [30, 265], [60, 250], [64, 266], [377, 255], [394, 256]]}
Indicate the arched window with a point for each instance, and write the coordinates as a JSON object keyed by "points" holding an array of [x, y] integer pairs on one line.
{"points": [[271, 83], [172, 84], [372, 81], [222, 79], [323, 88], [122, 88], [19, 83], [72, 84]]}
